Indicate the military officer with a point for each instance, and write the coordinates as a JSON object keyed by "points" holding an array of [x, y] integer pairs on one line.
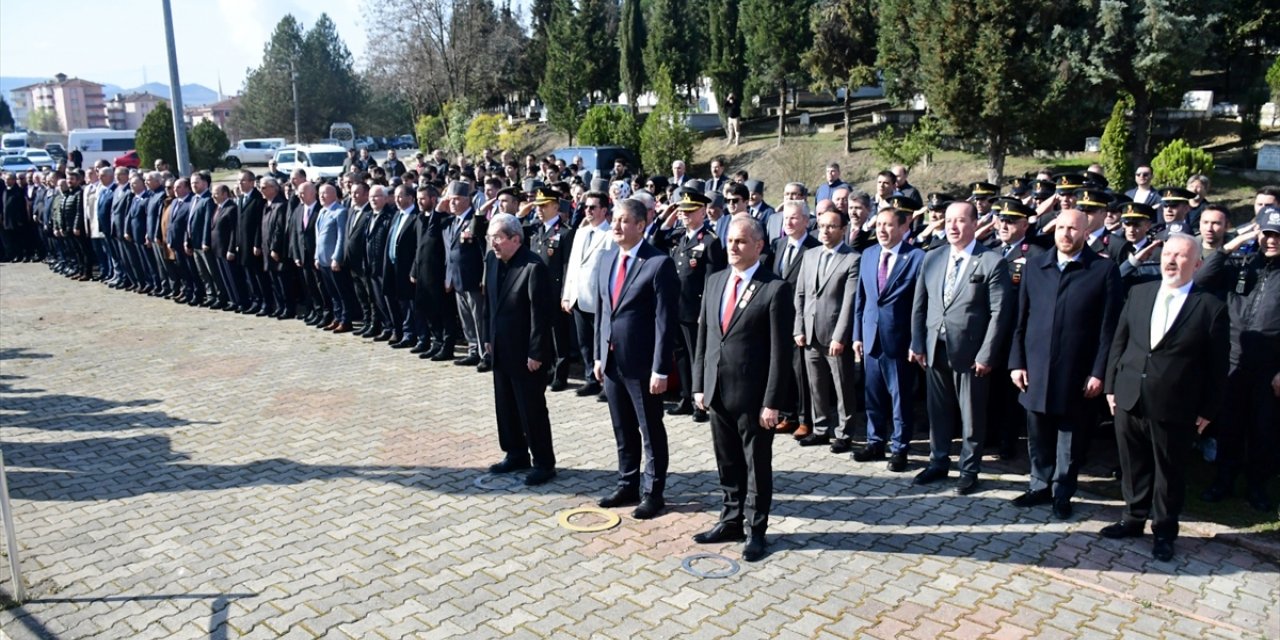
{"points": [[1139, 255], [550, 238], [1007, 419], [1094, 202], [1175, 206]]}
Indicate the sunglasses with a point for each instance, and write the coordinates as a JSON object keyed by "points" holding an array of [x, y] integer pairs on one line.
{"points": [[733, 200], [1132, 222]]}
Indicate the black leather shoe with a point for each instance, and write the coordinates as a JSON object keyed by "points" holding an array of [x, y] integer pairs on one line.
{"points": [[1033, 498], [589, 389], [898, 462], [1162, 550], [968, 484], [508, 465], [930, 473], [700, 416], [685, 408], [485, 366], [650, 507], [539, 476], [404, 344], [755, 549], [722, 532], [382, 337], [559, 385], [621, 497], [815, 439], [443, 355], [869, 453], [1062, 509], [841, 445], [469, 361], [1118, 530], [421, 347]]}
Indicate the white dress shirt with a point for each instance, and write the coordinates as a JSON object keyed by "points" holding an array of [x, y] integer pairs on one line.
{"points": [[744, 277], [1168, 303]]}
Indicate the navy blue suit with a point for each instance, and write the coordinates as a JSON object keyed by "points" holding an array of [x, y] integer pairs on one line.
{"points": [[635, 339], [882, 322]]}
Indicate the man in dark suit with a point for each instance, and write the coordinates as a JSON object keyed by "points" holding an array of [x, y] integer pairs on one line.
{"points": [[882, 335], [435, 307], [637, 292], [1166, 378], [741, 377], [304, 255], [199, 225], [275, 247], [402, 247], [375, 250], [825, 297], [464, 234], [697, 253], [179, 215], [1068, 304], [961, 321], [787, 256], [357, 237], [251, 205], [550, 237], [518, 337]]}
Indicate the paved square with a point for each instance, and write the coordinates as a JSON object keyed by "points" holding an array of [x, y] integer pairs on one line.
{"points": [[181, 473]]}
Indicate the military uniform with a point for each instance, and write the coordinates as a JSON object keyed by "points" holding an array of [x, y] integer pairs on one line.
{"points": [[1132, 270], [1007, 420], [552, 243]]}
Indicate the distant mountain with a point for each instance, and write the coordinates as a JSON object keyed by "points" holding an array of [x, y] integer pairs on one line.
{"points": [[192, 94]]}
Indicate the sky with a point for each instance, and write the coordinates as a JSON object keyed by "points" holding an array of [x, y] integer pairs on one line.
{"points": [[122, 42]]}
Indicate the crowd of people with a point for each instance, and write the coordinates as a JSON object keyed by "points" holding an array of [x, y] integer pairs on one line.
{"points": [[1044, 308]]}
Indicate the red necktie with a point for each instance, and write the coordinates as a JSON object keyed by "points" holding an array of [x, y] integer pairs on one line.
{"points": [[728, 308], [619, 279]]}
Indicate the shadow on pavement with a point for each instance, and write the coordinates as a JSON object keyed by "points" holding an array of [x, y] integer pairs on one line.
{"points": [[217, 618]]}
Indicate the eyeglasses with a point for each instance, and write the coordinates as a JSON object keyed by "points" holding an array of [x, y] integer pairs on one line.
{"points": [[733, 200], [1143, 174]]}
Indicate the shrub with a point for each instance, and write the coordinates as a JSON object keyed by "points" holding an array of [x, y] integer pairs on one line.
{"points": [[456, 115], [207, 143], [483, 133], [604, 125], [429, 130], [1178, 161], [517, 139], [155, 137], [1115, 142], [914, 147], [665, 137]]}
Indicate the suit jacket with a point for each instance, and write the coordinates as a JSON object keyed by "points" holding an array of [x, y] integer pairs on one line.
{"points": [[250, 208], [331, 232], [1182, 377], [882, 319], [824, 300], [979, 318], [224, 230], [792, 273], [520, 310], [304, 233], [179, 219], [431, 255], [396, 273], [579, 276], [638, 333], [728, 363], [1064, 327], [696, 258], [199, 221], [376, 241], [119, 208], [465, 244], [136, 218], [357, 238], [275, 235], [155, 205]]}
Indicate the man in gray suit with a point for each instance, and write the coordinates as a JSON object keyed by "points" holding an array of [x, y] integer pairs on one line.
{"points": [[824, 328], [960, 324]]}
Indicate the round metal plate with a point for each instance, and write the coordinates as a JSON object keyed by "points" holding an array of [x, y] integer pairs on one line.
{"points": [[611, 519], [495, 482], [732, 565]]}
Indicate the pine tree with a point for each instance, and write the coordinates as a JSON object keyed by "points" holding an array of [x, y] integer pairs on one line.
{"points": [[6, 116], [671, 41], [207, 142], [265, 107], [563, 83], [726, 53], [843, 54], [631, 40], [599, 26], [777, 34]]}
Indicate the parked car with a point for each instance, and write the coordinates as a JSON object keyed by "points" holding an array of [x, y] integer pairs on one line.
{"points": [[40, 159], [599, 160], [318, 160], [405, 141], [129, 159], [56, 150], [252, 151], [15, 162]]}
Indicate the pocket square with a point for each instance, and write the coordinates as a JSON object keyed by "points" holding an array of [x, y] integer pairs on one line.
{"points": [[977, 278]]}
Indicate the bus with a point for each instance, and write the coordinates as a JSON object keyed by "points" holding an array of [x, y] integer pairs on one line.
{"points": [[344, 134], [101, 144]]}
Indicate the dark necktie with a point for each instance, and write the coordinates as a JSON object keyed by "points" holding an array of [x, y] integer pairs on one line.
{"points": [[882, 275], [788, 257]]}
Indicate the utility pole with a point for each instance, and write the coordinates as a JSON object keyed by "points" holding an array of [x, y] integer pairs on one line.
{"points": [[297, 127], [175, 95]]}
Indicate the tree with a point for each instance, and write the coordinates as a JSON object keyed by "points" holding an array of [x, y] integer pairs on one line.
{"points": [[843, 54], [43, 119], [429, 131], [1147, 49], [154, 139], [606, 125], [260, 111], [896, 53], [631, 39], [207, 143], [598, 19], [329, 89], [541, 14], [777, 34], [483, 133], [563, 83], [725, 64], [1178, 161], [664, 137], [6, 116], [671, 40], [1115, 141]]}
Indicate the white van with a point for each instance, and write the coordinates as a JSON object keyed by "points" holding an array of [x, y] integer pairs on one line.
{"points": [[251, 151], [344, 133], [101, 144], [14, 143], [318, 160]]}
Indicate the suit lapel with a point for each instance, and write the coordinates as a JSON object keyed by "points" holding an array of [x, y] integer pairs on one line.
{"points": [[509, 281], [748, 295], [899, 265], [632, 270], [1188, 307]]}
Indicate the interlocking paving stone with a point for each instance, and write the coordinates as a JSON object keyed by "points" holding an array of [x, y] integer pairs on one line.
{"points": [[182, 473]]}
